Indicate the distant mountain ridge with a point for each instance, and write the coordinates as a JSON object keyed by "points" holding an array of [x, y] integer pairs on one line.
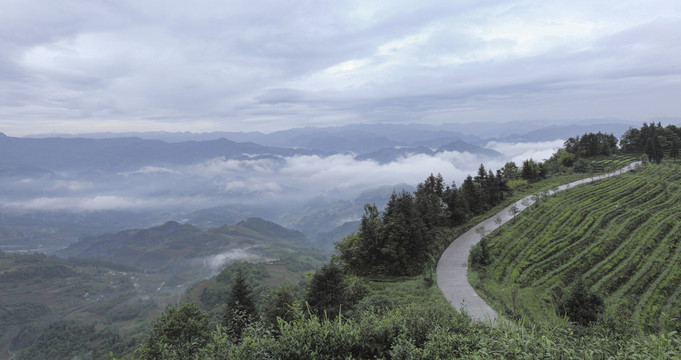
{"points": [[50, 154], [555, 132], [357, 136], [387, 155]]}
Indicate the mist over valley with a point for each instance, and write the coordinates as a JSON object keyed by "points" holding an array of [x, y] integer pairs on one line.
{"points": [[57, 189]]}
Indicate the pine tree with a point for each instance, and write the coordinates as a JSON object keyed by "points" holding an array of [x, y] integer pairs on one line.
{"points": [[404, 234], [674, 151], [469, 195], [280, 305], [240, 308], [455, 206], [328, 291], [581, 305], [180, 331]]}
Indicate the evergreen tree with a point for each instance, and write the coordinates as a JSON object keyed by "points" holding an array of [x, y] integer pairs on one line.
{"points": [[361, 253], [631, 141], [456, 210], [178, 332], [404, 236], [650, 149], [529, 170], [429, 202], [510, 171], [240, 308], [280, 305], [469, 195], [328, 291], [659, 153], [674, 150], [581, 305]]}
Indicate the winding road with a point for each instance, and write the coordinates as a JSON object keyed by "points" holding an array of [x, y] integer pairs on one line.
{"points": [[452, 269]]}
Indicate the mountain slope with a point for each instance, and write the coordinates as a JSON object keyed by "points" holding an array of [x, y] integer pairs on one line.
{"points": [[461, 146], [622, 235], [172, 243], [53, 154]]}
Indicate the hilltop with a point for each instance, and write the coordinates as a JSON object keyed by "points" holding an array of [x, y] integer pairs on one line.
{"points": [[172, 243]]}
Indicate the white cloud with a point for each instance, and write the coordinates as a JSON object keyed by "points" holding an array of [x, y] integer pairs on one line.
{"points": [[200, 66], [290, 181], [217, 262], [522, 151], [147, 170]]}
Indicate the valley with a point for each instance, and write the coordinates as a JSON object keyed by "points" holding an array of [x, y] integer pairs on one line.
{"points": [[120, 282], [106, 291]]}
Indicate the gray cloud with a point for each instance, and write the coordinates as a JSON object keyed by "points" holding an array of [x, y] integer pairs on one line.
{"points": [[70, 66]]}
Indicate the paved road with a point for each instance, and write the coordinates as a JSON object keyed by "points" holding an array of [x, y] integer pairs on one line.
{"points": [[452, 269]]}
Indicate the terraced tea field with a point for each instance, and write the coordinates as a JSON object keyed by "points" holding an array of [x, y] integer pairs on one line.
{"points": [[622, 234]]}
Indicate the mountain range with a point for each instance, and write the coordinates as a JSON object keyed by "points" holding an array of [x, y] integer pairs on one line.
{"points": [[58, 188]]}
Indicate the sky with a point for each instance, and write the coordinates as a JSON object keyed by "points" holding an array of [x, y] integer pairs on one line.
{"points": [[117, 65]]}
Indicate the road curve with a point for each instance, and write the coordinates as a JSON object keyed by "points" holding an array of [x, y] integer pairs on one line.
{"points": [[452, 269]]}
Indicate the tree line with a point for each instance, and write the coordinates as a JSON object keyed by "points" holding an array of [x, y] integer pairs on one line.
{"points": [[653, 140], [400, 240]]}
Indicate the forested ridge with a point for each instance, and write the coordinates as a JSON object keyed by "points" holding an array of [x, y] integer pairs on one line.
{"points": [[376, 298]]}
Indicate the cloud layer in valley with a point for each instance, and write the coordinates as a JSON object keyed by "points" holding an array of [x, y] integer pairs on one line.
{"points": [[276, 182], [70, 66]]}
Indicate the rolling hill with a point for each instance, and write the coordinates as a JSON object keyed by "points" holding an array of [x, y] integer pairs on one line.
{"points": [[172, 243], [112, 285]]}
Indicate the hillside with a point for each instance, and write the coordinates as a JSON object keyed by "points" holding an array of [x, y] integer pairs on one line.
{"points": [[118, 154], [621, 235], [112, 285], [39, 292], [174, 245]]}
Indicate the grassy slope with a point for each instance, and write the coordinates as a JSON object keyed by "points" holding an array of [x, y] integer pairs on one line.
{"points": [[621, 234]]}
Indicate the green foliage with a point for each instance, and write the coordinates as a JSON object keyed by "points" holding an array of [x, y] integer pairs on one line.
{"points": [[652, 140], [35, 272], [251, 272], [427, 332], [404, 249], [590, 145], [517, 183], [19, 313], [309, 336], [328, 292], [378, 304], [63, 339], [239, 309], [479, 256], [125, 312], [621, 234], [581, 305], [532, 170], [212, 296], [179, 332], [25, 337], [280, 306], [405, 239]]}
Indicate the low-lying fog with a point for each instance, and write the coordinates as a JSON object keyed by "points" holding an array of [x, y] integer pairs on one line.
{"points": [[278, 182]]}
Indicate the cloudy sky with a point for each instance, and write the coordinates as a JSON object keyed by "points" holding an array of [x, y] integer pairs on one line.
{"points": [[115, 65]]}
